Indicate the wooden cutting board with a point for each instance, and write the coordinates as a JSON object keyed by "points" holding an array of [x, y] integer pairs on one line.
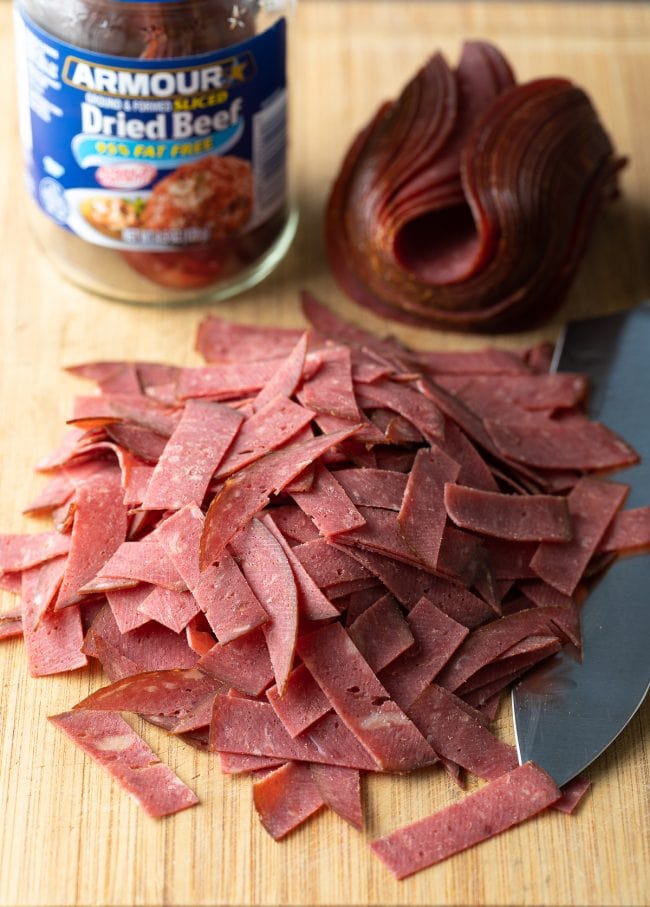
{"points": [[68, 836]]}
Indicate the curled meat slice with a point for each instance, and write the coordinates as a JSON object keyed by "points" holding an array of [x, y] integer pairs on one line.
{"points": [[467, 202]]}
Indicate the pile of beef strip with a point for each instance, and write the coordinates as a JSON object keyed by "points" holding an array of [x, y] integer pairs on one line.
{"points": [[319, 555]]}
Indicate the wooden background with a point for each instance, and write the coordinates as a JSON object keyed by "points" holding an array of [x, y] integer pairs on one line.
{"points": [[68, 835]]}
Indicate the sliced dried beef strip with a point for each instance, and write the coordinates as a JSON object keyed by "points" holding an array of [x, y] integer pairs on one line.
{"points": [[340, 789], [302, 703], [268, 572], [457, 735], [111, 742], [592, 505], [250, 727], [520, 518], [286, 797], [508, 800], [380, 633], [361, 701]]}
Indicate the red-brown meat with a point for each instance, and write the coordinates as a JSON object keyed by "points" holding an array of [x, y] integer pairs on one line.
{"points": [[214, 192]]}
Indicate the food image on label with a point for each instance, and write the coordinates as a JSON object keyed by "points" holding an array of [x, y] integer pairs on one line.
{"points": [[214, 194], [210, 199], [152, 155], [110, 214]]}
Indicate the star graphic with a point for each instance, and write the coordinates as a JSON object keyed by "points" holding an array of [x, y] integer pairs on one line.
{"points": [[238, 71], [235, 20]]}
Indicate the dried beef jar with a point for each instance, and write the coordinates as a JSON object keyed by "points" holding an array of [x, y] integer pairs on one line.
{"points": [[155, 142]]}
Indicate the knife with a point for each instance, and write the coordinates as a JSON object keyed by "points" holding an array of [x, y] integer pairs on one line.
{"points": [[567, 711]]}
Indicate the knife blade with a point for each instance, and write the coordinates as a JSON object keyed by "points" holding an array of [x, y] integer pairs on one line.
{"points": [[567, 711]]}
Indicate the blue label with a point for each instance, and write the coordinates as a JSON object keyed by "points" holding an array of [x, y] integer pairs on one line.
{"points": [[154, 153]]}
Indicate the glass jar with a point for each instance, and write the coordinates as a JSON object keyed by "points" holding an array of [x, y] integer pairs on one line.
{"points": [[155, 142]]}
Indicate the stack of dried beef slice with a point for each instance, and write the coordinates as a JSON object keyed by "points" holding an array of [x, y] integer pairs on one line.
{"points": [[319, 555]]}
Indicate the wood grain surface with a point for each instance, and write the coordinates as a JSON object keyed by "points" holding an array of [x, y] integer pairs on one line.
{"points": [[68, 835]]}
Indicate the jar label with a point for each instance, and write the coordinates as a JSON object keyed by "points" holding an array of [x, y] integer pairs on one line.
{"points": [[154, 154]]}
